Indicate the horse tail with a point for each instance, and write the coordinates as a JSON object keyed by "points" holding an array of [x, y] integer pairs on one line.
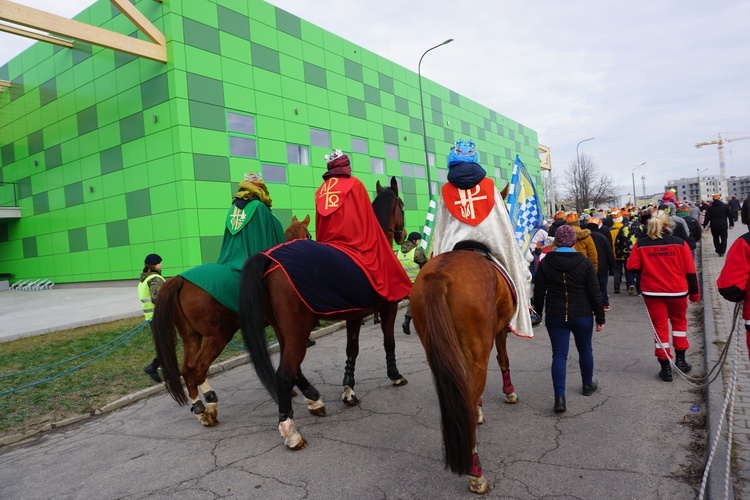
{"points": [[445, 356], [252, 320], [164, 332]]}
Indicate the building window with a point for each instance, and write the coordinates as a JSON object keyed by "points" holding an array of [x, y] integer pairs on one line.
{"points": [[407, 170], [274, 173], [418, 172], [241, 123], [242, 146], [298, 155], [377, 166], [431, 159], [391, 151], [321, 138], [359, 145]]}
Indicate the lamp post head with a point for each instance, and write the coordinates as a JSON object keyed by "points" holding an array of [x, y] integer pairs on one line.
{"points": [[447, 41]]}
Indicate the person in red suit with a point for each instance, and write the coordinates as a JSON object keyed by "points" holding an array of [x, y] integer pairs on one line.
{"points": [[667, 279], [344, 219], [734, 279]]}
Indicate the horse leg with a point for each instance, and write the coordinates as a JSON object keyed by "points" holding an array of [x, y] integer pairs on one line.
{"points": [[504, 362], [388, 312], [315, 404], [191, 343], [477, 482], [352, 351], [284, 382], [207, 354]]}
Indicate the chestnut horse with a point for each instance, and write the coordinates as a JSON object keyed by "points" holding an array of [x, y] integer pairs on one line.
{"points": [[461, 305], [267, 296], [205, 327]]}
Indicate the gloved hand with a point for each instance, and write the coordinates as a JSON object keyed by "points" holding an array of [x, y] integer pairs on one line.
{"points": [[695, 298]]}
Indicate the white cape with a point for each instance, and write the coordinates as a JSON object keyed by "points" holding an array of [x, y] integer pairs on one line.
{"points": [[496, 233]]}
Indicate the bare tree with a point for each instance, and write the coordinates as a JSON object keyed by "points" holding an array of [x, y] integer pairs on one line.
{"points": [[586, 185]]}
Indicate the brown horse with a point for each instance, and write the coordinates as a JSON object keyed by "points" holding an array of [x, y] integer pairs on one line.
{"points": [[460, 306], [267, 296], [205, 327]]}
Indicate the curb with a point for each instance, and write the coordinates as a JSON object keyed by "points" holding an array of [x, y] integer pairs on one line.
{"points": [[714, 402]]}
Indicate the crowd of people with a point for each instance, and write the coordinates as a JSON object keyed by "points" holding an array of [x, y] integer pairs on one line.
{"points": [[647, 251]]}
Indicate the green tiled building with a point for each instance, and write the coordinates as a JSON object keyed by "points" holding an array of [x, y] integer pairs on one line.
{"points": [[111, 156]]}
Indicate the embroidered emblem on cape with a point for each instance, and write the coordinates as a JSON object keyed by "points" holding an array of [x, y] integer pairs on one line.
{"points": [[237, 218], [330, 195], [472, 205]]}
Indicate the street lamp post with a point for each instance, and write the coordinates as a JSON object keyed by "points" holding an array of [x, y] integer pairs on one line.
{"points": [[633, 173], [424, 124], [578, 165]]}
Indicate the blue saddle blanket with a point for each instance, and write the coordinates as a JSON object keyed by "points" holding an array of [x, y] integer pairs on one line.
{"points": [[325, 278]]}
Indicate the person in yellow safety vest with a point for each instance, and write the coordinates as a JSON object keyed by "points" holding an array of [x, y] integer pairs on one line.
{"points": [[412, 258], [150, 282]]}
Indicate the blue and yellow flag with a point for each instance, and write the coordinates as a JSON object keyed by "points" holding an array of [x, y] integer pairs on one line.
{"points": [[523, 205]]}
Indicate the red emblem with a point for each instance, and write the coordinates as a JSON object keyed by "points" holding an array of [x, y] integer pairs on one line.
{"points": [[471, 205], [330, 195]]}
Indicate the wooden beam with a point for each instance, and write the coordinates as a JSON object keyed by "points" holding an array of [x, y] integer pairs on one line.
{"points": [[36, 36], [3, 84], [141, 22], [76, 30]]}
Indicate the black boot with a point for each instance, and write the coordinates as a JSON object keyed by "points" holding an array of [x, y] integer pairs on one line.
{"points": [[151, 371], [405, 325], [680, 362], [666, 371], [559, 405]]}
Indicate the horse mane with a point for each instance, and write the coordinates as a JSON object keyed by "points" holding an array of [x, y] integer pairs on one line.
{"points": [[382, 206]]}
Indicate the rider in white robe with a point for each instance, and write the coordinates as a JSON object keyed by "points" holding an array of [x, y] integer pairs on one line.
{"points": [[478, 212]]}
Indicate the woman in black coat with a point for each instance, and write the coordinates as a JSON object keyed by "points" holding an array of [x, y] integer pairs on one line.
{"points": [[567, 281]]}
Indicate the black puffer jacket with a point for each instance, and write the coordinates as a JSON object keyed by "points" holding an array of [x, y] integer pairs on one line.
{"points": [[568, 282]]}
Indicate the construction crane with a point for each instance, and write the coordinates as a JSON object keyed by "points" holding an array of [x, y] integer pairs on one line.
{"points": [[720, 144]]}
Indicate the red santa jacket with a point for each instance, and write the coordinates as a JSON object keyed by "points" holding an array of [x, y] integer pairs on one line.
{"points": [[734, 279], [666, 266], [345, 219]]}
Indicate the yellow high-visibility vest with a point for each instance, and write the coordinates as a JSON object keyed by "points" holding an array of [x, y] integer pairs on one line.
{"points": [[407, 261], [144, 293]]}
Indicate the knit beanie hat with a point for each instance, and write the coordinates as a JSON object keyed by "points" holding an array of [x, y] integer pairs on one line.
{"points": [[565, 236], [414, 236], [152, 259]]}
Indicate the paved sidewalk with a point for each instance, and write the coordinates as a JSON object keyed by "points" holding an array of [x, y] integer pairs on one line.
{"points": [[718, 314], [635, 438], [25, 314]]}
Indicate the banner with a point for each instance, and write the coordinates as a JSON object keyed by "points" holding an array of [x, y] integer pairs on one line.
{"points": [[523, 206]]}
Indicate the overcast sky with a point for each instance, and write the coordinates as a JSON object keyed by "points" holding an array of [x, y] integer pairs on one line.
{"points": [[647, 79]]}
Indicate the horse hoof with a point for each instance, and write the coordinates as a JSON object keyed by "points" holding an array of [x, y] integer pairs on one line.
{"points": [[511, 398], [349, 397], [207, 420], [300, 444], [399, 382], [478, 485], [316, 408], [480, 416], [292, 439]]}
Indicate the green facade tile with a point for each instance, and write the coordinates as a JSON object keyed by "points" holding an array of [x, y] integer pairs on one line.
{"points": [[265, 58], [201, 36], [73, 194], [86, 120], [118, 234], [211, 168], [132, 127], [29, 247], [111, 160], [234, 23], [205, 89], [53, 157], [138, 203], [36, 142], [154, 91]]}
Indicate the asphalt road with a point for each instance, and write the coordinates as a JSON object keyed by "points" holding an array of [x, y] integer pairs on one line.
{"points": [[634, 438]]}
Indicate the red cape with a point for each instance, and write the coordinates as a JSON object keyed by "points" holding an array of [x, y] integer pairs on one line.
{"points": [[354, 229]]}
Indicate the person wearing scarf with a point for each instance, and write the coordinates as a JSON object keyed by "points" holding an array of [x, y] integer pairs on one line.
{"points": [[249, 228], [471, 208]]}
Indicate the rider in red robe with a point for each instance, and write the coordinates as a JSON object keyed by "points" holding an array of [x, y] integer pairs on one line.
{"points": [[344, 219]]}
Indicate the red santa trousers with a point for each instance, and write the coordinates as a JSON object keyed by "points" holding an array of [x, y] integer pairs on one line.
{"points": [[662, 312]]}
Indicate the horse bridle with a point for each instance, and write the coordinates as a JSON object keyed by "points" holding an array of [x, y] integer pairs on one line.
{"points": [[398, 232]]}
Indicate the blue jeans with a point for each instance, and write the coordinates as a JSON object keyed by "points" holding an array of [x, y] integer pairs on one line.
{"points": [[603, 279], [559, 335]]}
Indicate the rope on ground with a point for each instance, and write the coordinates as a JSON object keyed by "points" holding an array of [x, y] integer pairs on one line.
{"points": [[727, 410], [40, 368], [123, 338], [701, 381]]}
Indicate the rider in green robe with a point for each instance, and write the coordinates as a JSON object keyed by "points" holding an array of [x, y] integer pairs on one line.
{"points": [[250, 228]]}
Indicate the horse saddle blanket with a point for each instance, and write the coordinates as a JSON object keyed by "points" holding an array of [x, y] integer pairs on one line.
{"points": [[326, 279], [482, 249], [219, 281]]}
